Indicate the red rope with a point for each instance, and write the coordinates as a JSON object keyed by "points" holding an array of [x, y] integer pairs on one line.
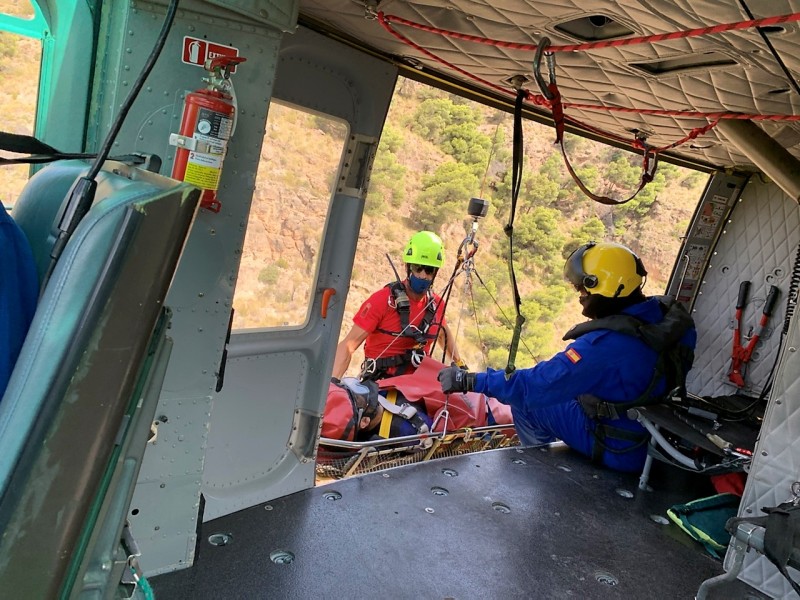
{"points": [[687, 113], [540, 100], [428, 53], [739, 25]]}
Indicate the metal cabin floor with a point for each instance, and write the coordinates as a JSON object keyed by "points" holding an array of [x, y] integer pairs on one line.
{"points": [[511, 523]]}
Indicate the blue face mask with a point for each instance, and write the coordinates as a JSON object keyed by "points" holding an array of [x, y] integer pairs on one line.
{"points": [[417, 284]]}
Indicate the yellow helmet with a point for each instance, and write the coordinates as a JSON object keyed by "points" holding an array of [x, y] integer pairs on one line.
{"points": [[605, 269], [424, 248]]}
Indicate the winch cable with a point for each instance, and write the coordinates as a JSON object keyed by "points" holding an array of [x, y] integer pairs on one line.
{"points": [[516, 183], [502, 312], [445, 295], [463, 264], [471, 289]]}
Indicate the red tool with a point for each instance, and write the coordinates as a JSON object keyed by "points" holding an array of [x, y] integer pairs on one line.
{"points": [[741, 355]]}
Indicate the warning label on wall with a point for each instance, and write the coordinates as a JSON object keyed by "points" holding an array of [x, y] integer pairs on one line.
{"points": [[202, 176], [197, 51]]}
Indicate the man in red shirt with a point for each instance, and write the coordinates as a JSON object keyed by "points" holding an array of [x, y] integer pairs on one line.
{"points": [[400, 322]]}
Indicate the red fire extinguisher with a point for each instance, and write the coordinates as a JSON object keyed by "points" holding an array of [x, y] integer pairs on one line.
{"points": [[206, 127]]}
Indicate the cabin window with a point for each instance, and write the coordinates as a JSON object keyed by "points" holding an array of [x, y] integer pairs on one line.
{"points": [[22, 37], [299, 165]]}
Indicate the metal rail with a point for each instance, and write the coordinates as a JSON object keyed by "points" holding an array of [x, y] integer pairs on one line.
{"points": [[338, 458]]}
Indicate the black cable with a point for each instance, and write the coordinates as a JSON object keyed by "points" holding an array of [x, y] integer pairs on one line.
{"points": [[81, 195], [772, 49], [445, 295], [791, 299], [135, 89], [791, 304], [477, 324]]}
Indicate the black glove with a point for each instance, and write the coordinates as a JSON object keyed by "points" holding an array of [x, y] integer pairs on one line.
{"points": [[454, 379]]}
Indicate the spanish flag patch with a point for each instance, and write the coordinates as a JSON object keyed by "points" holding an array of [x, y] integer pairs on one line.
{"points": [[573, 356]]}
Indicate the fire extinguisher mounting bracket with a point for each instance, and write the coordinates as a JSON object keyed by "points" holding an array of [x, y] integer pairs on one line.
{"points": [[189, 143]]}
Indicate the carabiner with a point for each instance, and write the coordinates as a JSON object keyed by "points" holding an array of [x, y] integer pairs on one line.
{"points": [[544, 43]]}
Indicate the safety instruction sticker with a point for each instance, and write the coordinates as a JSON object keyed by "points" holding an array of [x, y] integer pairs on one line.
{"points": [[710, 216], [201, 176], [696, 257], [196, 51]]}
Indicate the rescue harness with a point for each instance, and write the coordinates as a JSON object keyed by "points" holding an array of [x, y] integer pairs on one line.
{"points": [[406, 411], [375, 368], [673, 362]]}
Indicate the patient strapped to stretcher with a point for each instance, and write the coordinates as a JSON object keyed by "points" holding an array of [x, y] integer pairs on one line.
{"points": [[411, 404]]}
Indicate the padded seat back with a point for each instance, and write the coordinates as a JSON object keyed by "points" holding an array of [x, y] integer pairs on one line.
{"points": [[41, 202], [75, 378]]}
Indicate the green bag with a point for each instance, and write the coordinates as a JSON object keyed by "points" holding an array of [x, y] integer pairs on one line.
{"points": [[704, 520]]}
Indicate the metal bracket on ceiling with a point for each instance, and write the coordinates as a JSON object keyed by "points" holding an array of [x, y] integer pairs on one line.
{"points": [[370, 10]]}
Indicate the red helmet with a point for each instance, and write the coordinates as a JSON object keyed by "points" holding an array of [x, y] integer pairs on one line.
{"points": [[348, 402]]}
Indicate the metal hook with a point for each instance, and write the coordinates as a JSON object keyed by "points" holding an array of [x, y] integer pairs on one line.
{"points": [[544, 43]]}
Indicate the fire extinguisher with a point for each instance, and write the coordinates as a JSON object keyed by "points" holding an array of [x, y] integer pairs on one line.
{"points": [[206, 126]]}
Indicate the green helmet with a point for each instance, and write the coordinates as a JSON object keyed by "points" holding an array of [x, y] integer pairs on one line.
{"points": [[424, 248]]}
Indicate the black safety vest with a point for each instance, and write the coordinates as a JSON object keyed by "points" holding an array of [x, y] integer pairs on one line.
{"points": [[673, 364], [420, 332]]}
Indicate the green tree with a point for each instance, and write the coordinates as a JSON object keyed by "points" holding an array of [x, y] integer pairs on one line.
{"points": [[465, 143], [621, 173], [443, 195], [553, 167], [387, 183], [269, 275], [538, 233], [436, 114], [592, 229], [392, 139], [647, 196]]}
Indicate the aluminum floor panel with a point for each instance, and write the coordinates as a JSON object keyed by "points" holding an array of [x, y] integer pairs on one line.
{"points": [[511, 523]]}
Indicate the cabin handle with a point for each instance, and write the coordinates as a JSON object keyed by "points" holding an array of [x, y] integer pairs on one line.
{"points": [[326, 298]]}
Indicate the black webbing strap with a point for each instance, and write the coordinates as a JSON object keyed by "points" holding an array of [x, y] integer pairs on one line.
{"points": [[516, 183], [781, 535], [39, 153], [603, 432], [418, 333]]}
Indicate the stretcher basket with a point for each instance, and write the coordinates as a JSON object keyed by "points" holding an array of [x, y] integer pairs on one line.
{"points": [[337, 459]]}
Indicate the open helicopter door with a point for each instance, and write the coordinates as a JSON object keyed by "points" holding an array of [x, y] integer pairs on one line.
{"points": [[268, 389]]}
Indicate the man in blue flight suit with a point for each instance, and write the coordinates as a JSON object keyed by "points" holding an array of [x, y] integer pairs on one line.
{"points": [[19, 289], [632, 351]]}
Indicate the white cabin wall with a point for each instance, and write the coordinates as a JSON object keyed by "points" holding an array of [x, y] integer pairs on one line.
{"points": [[759, 243]]}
